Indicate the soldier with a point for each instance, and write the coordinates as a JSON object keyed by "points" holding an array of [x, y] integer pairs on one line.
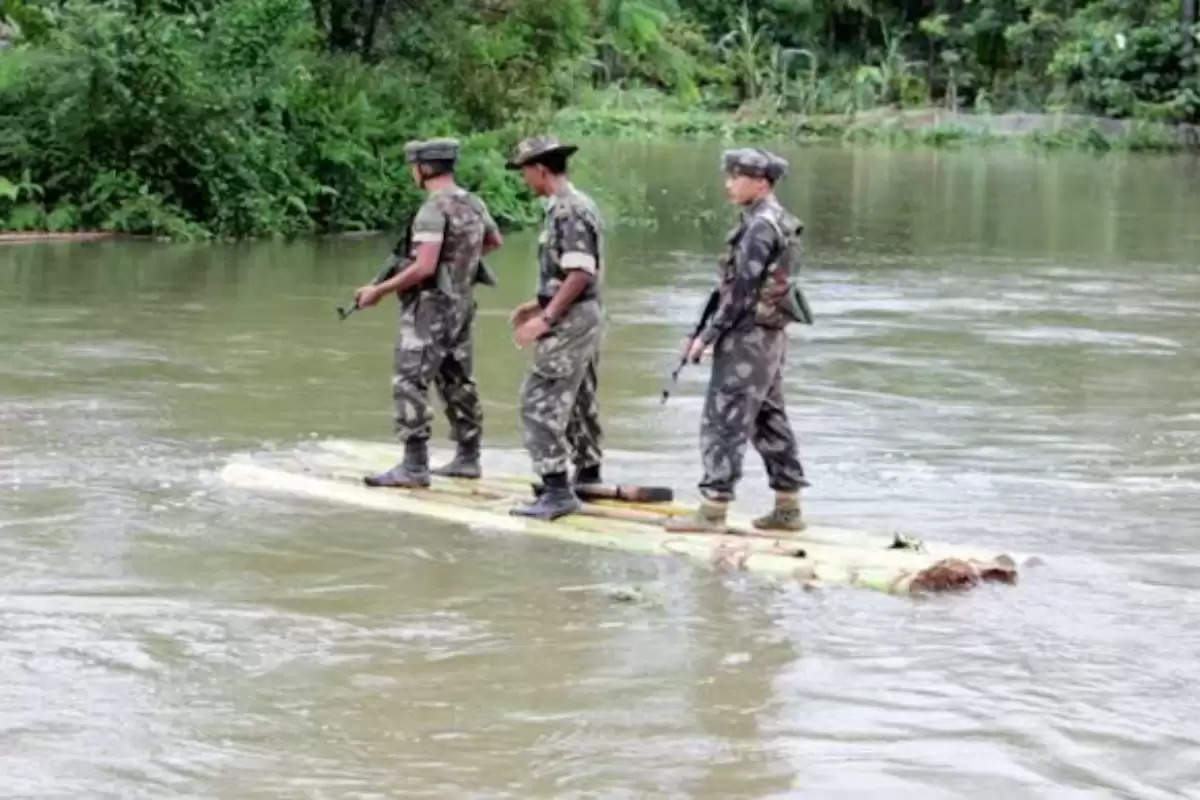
{"points": [[565, 323], [449, 233], [745, 392]]}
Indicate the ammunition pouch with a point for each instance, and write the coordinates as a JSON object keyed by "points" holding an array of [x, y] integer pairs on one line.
{"points": [[484, 275], [794, 305]]}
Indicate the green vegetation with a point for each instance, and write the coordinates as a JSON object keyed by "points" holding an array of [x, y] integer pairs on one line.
{"points": [[260, 117], [248, 118], [618, 117], [1116, 58]]}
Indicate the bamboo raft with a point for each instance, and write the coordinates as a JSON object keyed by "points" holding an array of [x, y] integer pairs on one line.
{"points": [[332, 471]]}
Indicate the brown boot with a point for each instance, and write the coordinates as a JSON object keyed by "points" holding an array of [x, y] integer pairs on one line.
{"points": [[708, 518], [785, 516]]}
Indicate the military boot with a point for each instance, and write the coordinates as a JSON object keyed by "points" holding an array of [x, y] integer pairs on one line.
{"points": [[708, 518], [585, 476], [411, 473], [785, 516], [465, 463], [557, 499]]}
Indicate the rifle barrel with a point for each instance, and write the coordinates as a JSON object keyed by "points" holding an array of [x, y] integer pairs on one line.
{"points": [[710, 308]]}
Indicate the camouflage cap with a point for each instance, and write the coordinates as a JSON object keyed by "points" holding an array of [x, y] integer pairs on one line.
{"points": [[420, 152], [535, 147], [755, 163]]}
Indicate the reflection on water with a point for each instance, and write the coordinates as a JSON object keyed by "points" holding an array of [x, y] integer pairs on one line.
{"points": [[1006, 350]]}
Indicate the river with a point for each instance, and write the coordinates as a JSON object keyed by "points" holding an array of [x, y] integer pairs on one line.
{"points": [[1006, 351]]}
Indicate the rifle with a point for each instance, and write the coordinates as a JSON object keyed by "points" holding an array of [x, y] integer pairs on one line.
{"points": [[710, 308], [399, 257]]}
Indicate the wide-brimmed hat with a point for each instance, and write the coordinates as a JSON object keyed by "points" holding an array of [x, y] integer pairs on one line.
{"points": [[754, 162], [422, 152], [537, 147]]}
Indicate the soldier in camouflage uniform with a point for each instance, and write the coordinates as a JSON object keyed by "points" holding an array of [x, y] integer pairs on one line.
{"points": [[747, 332], [565, 324], [449, 233]]}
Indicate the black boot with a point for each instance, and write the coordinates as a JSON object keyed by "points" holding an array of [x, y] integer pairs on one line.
{"points": [[556, 500], [465, 463], [587, 475], [411, 473]]}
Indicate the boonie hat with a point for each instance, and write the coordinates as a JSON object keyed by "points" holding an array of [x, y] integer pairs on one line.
{"points": [[536, 147]]}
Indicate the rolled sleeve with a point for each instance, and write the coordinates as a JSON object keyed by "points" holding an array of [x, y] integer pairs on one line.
{"points": [[577, 242], [429, 225], [577, 260]]}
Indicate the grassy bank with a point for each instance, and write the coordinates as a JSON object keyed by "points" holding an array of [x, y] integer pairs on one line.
{"points": [[901, 128]]}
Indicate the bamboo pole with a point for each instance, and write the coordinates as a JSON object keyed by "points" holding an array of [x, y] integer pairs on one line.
{"points": [[369, 456], [637, 521], [895, 572]]}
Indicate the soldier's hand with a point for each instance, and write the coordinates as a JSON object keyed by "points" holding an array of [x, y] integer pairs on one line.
{"points": [[521, 314], [367, 296], [530, 331], [696, 350]]}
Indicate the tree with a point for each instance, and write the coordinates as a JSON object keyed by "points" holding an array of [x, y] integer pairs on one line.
{"points": [[1188, 8]]}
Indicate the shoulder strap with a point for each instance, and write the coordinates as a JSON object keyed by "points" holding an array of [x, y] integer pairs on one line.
{"points": [[772, 220], [403, 247]]}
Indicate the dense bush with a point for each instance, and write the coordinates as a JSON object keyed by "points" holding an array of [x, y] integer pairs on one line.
{"points": [[1114, 57], [254, 117], [229, 121]]}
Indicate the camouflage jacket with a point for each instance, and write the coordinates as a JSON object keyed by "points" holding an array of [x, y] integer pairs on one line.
{"points": [[753, 273], [572, 238], [459, 222]]}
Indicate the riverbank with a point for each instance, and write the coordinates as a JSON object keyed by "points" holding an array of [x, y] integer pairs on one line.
{"points": [[37, 237], [32, 237], [928, 127], [889, 127]]}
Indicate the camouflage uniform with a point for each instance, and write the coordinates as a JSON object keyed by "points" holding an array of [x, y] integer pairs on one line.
{"points": [[558, 398], [434, 342], [745, 393]]}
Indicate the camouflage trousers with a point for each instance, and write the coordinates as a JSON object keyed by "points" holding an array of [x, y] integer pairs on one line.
{"points": [[745, 402], [434, 345], [559, 410]]}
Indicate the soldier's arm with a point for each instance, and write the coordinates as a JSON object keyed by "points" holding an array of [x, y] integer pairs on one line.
{"points": [[577, 281], [491, 234], [578, 245], [422, 268], [427, 230], [750, 260]]}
